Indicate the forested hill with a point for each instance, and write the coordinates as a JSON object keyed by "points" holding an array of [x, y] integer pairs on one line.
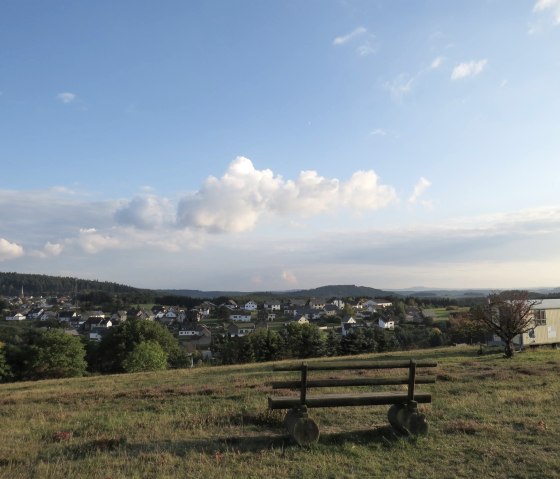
{"points": [[333, 291], [40, 284], [342, 291]]}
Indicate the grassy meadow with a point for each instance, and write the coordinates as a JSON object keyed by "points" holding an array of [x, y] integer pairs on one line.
{"points": [[490, 417]]}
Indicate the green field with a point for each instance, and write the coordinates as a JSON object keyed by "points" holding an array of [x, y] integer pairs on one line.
{"points": [[490, 417]]}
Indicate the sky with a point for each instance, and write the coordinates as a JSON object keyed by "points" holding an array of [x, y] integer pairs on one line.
{"points": [[259, 146]]}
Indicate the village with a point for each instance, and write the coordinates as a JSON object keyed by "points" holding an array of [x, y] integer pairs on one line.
{"points": [[196, 327], [403, 323]]}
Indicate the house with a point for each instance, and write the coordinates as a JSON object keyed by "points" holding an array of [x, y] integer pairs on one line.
{"points": [[250, 305], [546, 330], [338, 303], [290, 310], [96, 334], [168, 317], [330, 310], [370, 305], [301, 320], [145, 315], [385, 323], [346, 325], [310, 314], [119, 316], [271, 316], [383, 303], [193, 330], [243, 316], [97, 322], [16, 317], [35, 313], [316, 303], [205, 308], [230, 304], [67, 316], [272, 305], [93, 314], [240, 330]]}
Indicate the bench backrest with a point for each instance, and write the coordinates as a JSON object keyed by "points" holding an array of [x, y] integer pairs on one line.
{"points": [[303, 383]]}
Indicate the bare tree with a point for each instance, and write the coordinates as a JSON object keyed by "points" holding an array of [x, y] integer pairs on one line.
{"points": [[507, 314]]}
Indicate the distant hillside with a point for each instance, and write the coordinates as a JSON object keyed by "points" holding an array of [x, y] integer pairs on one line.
{"points": [[427, 293], [40, 284], [339, 291]]}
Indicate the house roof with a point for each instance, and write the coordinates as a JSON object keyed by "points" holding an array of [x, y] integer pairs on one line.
{"points": [[547, 304]]}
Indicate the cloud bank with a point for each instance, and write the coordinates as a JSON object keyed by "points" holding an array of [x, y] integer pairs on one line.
{"points": [[243, 195], [9, 250]]}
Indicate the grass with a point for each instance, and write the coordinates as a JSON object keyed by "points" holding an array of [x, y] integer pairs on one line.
{"points": [[490, 417]]}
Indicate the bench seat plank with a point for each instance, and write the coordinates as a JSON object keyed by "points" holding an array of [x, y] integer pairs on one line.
{"points": [[342, 365], [341, 382], [353, 399]]}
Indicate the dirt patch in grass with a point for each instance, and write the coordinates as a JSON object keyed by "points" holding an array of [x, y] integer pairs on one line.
{"points": [[461, 426], [523, 401], [494, 375], [526, 371]]}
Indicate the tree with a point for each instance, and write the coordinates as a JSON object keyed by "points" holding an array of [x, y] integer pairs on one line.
{"points": [[507, 314], [146, 356], [53, 354], [462, 329], [5, 370], [436, 337], [304, 340], [267, 345], [122, 339]]}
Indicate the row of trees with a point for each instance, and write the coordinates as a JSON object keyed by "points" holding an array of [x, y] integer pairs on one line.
{"points": [[300, 341], [51, 353]]}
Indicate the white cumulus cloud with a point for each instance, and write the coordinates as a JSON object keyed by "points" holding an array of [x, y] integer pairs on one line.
{"points": [[468, 69], [289, 277], [349, 36], [49, 250], [552, 6], [66, 97], [9, 250], [236, 201], [436, 63], [91, 241], [400, 86], [421, 186], [145, 212]]}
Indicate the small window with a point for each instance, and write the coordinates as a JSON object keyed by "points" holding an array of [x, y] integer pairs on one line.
{"points": [[540, 322]]}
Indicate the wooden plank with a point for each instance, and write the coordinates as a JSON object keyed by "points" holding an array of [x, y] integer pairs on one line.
{"points": [[343, 400], [341, 382], [355, 365]]}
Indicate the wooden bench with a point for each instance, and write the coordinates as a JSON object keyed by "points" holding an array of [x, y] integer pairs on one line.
{"points": [[403, 413]]}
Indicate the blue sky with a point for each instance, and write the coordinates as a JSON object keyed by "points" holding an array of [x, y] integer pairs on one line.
{"points": [[257, 145]]}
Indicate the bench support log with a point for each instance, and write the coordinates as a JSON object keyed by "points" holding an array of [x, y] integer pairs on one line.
{"points": [[301, 427], [407, 420]]}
